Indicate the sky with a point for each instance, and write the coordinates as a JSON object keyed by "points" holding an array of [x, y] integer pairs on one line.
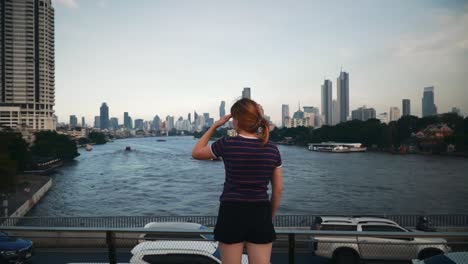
{"points": [[151, 57]]}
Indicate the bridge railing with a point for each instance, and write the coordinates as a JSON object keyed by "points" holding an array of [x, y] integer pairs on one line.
{"points": [[115, 243], [439, 221]]}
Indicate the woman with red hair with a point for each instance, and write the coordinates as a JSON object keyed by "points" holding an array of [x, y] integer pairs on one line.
{"points": [[251, 162]]}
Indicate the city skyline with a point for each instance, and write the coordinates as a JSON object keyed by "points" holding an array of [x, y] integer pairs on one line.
{"points": [[175, 62]]}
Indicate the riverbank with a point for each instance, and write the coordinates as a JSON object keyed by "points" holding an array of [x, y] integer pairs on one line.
{"points": [[27, 192]]}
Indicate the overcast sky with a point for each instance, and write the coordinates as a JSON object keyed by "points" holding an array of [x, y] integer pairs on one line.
{"points": [[172, 57]]}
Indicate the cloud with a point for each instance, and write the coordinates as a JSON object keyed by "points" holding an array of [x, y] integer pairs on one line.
{"points": [[67, 3], [450, 38]]}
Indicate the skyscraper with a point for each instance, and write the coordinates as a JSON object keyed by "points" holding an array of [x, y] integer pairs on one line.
{"points": [[428, 106], [406, 103], [335, 112], [83, 124], [189, 117], [246, 93], [284, 114], [73, 121], [139, 123], [222, 110], [127, 121], [27, 64], [327, 101], [343, 95], [104, 110], [394, 114]]}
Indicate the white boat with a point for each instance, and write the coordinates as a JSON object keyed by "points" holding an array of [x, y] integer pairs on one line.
{"points": [[336, 147], [88, 147]]}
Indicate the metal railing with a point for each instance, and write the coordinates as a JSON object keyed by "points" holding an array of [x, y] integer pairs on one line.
{"points": [[438, 221], [293, 242]]}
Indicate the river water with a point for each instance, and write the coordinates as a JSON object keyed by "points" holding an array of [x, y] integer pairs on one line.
{"points": [[161, 178]]}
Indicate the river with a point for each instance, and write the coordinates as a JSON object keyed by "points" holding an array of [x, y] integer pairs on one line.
{"points": [[161, 178]]}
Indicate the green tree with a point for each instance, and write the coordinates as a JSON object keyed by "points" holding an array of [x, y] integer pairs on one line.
{"points": [[49, 144], [97, 138]]}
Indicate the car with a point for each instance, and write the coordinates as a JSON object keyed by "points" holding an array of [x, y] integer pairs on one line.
{"points": [[154, 248], [183, 226], [175, 252], [353, 249], [452, 258], [15, 250]]}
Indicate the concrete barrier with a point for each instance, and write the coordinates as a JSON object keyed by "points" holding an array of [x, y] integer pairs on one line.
{"points": [[35, 198]]}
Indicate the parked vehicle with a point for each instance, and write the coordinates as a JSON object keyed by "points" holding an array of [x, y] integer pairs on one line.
{"points": [[15, 250], [452, 258], [353, 249], [199, 248]]}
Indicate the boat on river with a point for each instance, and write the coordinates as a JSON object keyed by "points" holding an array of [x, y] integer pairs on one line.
{"points": [[337, 147]]}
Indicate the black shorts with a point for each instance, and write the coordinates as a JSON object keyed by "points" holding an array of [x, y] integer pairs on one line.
{"points": [[244, 222]]}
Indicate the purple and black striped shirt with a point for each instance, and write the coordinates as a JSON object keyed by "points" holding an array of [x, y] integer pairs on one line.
{"points": [[249, 167]]}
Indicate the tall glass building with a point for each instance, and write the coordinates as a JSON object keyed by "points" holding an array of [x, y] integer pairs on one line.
{"points": [[327, 102], [428, 106], [342, 85]]}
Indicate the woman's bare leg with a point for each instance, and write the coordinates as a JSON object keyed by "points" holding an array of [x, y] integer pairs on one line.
{"points": [[231, 253], [259, 253]]}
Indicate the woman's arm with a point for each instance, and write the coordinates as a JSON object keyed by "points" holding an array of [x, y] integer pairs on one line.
{"points": [[277, 189], [202, 151]]}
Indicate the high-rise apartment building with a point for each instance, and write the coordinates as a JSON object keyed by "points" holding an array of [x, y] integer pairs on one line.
{"points": [[97, 122], [406, 104], [27, 64], [363, 113], [342, 86], [83, 124], [327, 102]]}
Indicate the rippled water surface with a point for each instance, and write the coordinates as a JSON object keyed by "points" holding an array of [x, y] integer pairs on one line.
{"points": [[161, 178]]}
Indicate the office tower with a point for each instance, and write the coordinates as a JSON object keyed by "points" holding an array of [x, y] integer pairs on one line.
{"points": [[327, 102], [363, 113], [73, 121], [342, 85], [394, 114], [335, 112], [83, 124], [428, 106], [104, 110], [127, 121], [246, 93], [27, 64], [406, 103], [284, 114], [114, 123], [97, 122], [189, 117], [222, 109], [313, 113], [139, 124], [156, 123], [206, 117]]}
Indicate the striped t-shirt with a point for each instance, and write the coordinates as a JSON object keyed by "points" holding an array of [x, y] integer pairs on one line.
{"points": [[249, 167]]}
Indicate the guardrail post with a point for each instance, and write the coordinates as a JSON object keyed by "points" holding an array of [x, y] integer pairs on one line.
{"points": [[110, 239], [292, 247]]}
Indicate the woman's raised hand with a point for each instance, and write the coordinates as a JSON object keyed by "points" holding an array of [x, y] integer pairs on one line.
{"points": [[222, 121]]}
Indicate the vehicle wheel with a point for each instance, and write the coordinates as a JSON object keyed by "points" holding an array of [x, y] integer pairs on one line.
{"points": [[345, 255], [429, 253]]}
